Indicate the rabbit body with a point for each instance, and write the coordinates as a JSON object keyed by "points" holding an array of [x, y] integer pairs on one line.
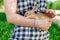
{"points": [[31, 14]]}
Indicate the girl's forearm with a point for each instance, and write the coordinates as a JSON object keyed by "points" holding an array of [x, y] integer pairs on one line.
{"points": [[12, 17], [20, 20]]}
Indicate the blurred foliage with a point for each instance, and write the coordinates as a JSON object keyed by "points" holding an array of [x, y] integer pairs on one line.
{"points": [[54, 32], [5, 27], [2, 17], [53, 5], [1, 2]]}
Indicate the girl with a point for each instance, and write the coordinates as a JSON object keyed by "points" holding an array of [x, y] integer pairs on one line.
{"points": [[24, 27]]}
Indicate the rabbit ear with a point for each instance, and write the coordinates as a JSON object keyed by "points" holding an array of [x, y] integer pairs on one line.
{"points": [[35, 8], [25, 14]]}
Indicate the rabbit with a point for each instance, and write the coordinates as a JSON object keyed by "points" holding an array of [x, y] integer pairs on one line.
{"points": [[31, 14]]}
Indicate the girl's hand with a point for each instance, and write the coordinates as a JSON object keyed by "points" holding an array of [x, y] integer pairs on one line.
{"points": [[49, 13], [43, 24]]}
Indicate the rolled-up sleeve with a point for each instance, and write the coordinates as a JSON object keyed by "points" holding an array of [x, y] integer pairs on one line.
{"points": [[41, 6]]}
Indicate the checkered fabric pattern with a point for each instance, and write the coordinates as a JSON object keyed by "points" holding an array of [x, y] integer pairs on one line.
{"points": [[29, 33], [29, 4]]}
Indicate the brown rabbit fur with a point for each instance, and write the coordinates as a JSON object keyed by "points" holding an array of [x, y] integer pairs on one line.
{"points": [[30, 14]]}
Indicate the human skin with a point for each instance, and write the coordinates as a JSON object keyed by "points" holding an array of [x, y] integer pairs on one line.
{"points": [[14, 18]]}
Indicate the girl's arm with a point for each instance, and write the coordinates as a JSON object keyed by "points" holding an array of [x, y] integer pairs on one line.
{"points": [[12, 17]]}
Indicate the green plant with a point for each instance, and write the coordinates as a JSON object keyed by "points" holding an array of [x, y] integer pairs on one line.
{"points": [[1, 2], [5, 27]]}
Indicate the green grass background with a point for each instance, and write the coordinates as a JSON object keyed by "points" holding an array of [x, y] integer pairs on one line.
{"points": [[6, 28]]}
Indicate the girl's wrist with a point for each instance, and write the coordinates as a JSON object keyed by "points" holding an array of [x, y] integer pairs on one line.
{"points": [[31, 22], [35, 23]]}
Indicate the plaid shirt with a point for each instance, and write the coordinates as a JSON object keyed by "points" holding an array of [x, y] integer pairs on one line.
{"points": [[24, 5], [29, 33]]}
